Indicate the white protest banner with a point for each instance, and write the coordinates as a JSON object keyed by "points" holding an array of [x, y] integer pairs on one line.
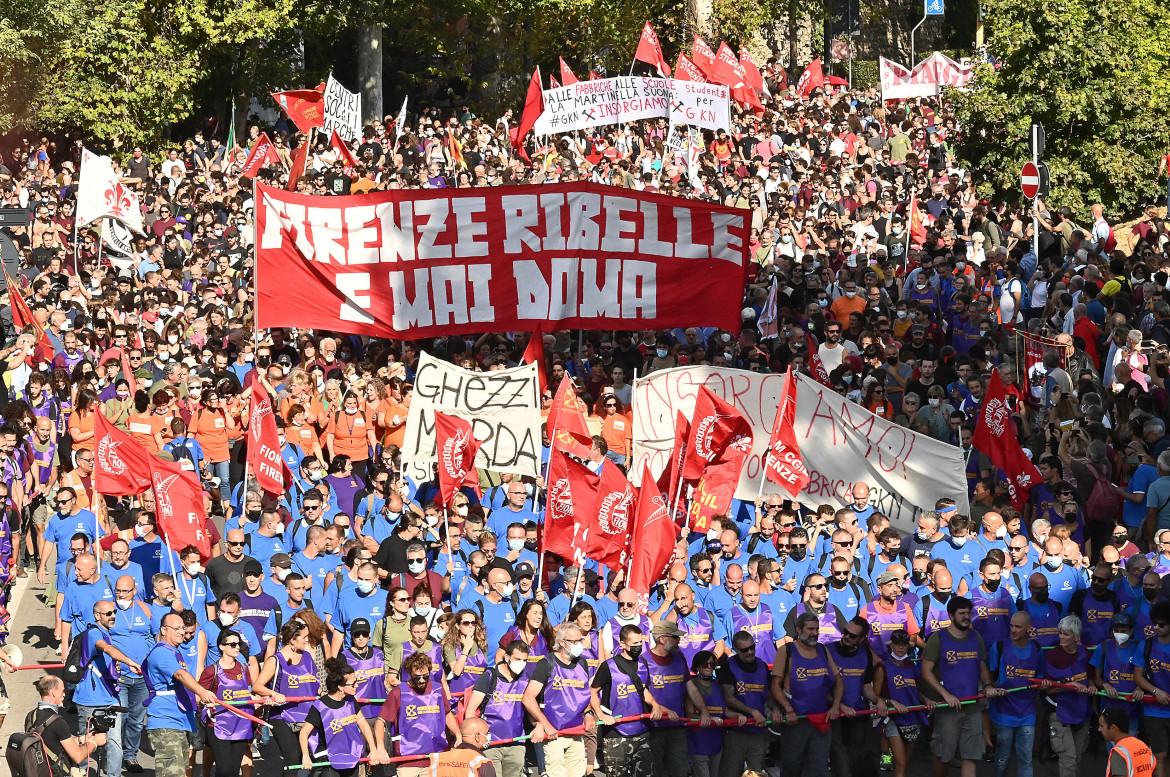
{"points": [[588, 104], [343, 111], [700, 105], [503, 408], [841, 442]]}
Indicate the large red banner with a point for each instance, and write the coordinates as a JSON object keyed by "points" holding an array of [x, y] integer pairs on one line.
{"points": [[408, 263]]}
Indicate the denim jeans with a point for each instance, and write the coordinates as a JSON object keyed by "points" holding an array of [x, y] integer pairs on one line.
{"points": [[221, 470], [132, 695], [1022, 737], [113, 739]]}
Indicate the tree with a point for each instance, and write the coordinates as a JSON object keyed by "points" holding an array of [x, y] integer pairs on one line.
{"points": [[1095, 73]]}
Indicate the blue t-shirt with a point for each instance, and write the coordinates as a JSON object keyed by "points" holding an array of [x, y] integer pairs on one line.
{"points": [[133, 570], [77, 606], [497, 619], [164, 711], [61, 528], [93, 690], [352, 605], [1139, 483], [264, 548], [133, 633]]}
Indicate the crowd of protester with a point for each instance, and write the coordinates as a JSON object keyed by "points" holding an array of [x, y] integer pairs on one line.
{"points": [[357, 622]]}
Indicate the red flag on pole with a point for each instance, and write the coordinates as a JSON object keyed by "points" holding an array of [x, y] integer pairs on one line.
{"points": [[342, 149], [457, 447], [567, 76], [812, 78], [752, 75], [178, 499], [816, 367], [306, 107], [716, 488], [534, 354], [553, 83], [726, 67], [268, 466], [22, 316], [672, 475], [653, 539], [704, 57], [298, 166], [261, 154], [685, 70], [593, 76], [782, 462], [572, 494], [533, 107], [120, 465], [715, 425], [566, 422], [917, 230], [650, 51], [995, 435], [609, 532]]}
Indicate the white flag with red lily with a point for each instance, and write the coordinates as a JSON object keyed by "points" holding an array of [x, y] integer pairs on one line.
{"points": [[100, 193]]}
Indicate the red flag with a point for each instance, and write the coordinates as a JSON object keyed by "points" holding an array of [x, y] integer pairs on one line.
{"points": [[995, 435], [457, 447], [533, 107], [566, 422], [672, 475], [534, 354], [298, 166], [455, 149], [685, 70], [553, 83], [782, 462], [572, 494], [752, 76], [715, 425], [653, 540], [593, 76], [716, 488], [22, 316], [306, 107], [704, 57], [567, 76], [261, 154], [917, 230], [608, 537], [178, 499], [120, 465], [816, 367], [343, 152], [650, 51], [268, 466], [128, 372], [726, 67], [812, 78]]}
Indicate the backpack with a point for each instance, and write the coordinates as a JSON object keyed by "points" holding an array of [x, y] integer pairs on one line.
{"points": [[1103, 500], [1025, 294], [74, 670], [26, 753]]}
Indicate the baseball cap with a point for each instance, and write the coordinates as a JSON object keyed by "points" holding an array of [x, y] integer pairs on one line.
{"points": [[1123, 620], [359, 626], [282, 560], [887, 577], [666, 629], [524, 569], [252, 567]]}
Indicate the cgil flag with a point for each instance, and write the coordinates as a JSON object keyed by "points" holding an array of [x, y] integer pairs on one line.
{"points": [[456, 447], [650, 51], [715, 424], [121, 466], [652, 540], [995, 435], [306, 107], [608, 535], [783, 464], [178, 499], [572, 495], [22, 316], [812, 78], [100, 193], [261, 155], [268, 466]]}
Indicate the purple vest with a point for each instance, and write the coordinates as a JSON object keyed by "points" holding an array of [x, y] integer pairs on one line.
{"points": [[852, 670], [504, 709], [1096, 619], [1044, 619], [339, 740], [422, 721], [371, 679], [990, 614], [667, 684], [829, 632], [436, 656], [882, 624], [958, 663], [614, 627], [927, 295], [698, 634], [1071, 707], [902, 684], [227, 725], [809, 681], [751, 686], [624, 700], [45, 460], [708, 741], [473, 668], [935, 617], [759, 625], [1015, 671], [566, 695], [1116, 664], [296, 680]]}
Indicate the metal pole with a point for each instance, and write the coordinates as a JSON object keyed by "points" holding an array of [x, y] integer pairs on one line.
{"points": [[913, 32], [1035, 217]]}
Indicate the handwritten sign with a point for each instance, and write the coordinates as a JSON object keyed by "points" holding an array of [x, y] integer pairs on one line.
{"points": [[623, 99], [841, 442], [343, 111], [699, 105]]}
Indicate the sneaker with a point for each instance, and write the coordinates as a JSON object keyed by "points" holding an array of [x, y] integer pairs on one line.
{"points": [[132, 766], [887, 762]]}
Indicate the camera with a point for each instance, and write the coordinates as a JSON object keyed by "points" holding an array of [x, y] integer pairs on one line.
{"points": [[105, 718]]}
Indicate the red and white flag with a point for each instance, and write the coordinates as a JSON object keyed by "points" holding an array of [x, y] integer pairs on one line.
{"points": [[349, 161], [178, 499], [533, 107], [23, 316], [652, 543], [100, 193], [917, 230], [267, 465], [650, 51], [752, 75], [566, 424], [457, 447], [534, 354], [553, 83], [715, 425], [120, 465], [704, 58], [567, 76], [995, 435], [671, 479], [685, 70], [726, 67], [262, 154], [812, 78], [593, 76], [608, 539], [783, 464], [816, 367], [572, 494]]}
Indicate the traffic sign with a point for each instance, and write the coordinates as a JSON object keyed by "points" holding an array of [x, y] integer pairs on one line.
{"points": [[934, 8], [1045, 179], [1030, 180]]}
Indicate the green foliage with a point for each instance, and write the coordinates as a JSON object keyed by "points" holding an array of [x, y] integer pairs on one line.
{"points": [[1096, 75], [866, 72]]}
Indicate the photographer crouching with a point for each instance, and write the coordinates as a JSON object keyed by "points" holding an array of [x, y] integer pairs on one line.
{"points": [[67, 753]]}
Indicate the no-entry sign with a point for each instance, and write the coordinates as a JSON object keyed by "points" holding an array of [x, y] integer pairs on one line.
{"points": [[1030, 180]]}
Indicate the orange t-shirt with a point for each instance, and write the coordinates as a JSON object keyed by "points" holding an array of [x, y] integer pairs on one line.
{"points": [[209, 427], [303, 437], [617, 431], [143, 427], [350, 434], [395, 434], [82, 423]]}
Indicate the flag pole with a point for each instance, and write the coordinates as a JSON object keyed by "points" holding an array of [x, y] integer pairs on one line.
{"points": [[101, 239], [540, 566]]}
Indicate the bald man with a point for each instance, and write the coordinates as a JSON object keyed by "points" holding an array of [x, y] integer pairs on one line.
{"points": [[662, 597], [756, 618], [226, 572], [933, 609], [468, 757], [700, 631], [860, 504]]}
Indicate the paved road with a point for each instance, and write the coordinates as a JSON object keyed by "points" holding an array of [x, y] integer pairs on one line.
{"points": [[32, 628]]}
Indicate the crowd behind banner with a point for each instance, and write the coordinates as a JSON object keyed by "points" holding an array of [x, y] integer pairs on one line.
{"points": [[362, 614]]}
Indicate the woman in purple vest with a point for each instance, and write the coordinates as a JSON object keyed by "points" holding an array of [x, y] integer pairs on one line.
{"points": [[899, 691], [533, 629], [230, 679], [335, 731], [465, 649], [292, 674]]}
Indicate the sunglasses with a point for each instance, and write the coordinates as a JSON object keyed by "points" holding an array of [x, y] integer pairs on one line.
{"points": [[236, 544], [231, 644]]}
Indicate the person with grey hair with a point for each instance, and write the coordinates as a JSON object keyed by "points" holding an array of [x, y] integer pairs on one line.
{"points": [[1055, 376], [557, 697], [1067, 664], [1158, 500], [559, 605]]}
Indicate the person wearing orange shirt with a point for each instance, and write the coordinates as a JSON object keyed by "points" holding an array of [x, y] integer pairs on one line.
{"points": [[394, 410], [300, 385], [209, 426], [146, 427], [82, 420], [302, 434], [351, 432], [616, 429], [848, 303]]}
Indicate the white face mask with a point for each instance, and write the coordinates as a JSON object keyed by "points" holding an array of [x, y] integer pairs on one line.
{"points": [[1121, 637], [141, 531], [515, 544], [576, 650], [902, 314], [423, 609], [851, 294], [1001, 532], [507, 590], [959, 541], [282, 573], [226, 619], [172, 339], [934, 401], [898, 656], [351, 411], [416, 566], [193, 569], [1053, 562], [365, 586], [461, 511], [123, 605], [517, 667], [922, 536]]}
